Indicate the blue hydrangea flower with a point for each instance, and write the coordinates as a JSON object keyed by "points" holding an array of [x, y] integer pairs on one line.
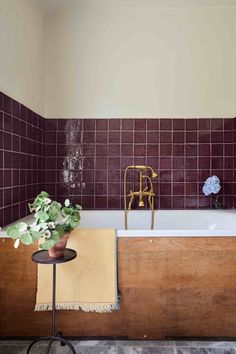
{"points": [[211, 185]]}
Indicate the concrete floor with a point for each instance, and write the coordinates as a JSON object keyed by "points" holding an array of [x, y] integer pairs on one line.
{"points": [[123, 347]]}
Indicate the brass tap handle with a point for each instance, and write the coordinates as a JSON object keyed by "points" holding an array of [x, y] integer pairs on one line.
{"points": [[131, 195]]}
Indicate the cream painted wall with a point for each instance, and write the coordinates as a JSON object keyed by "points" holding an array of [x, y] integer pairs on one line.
{"points": [[22, 52], [120, 60], [134, 61]]}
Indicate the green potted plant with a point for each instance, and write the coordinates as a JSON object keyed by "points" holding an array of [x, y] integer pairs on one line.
{"points": [[51, 227]]}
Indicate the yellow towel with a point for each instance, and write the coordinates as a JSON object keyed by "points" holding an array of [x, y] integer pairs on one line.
{"points": [[89, 282]]}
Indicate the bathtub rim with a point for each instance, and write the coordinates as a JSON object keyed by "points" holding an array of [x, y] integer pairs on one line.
{"points": [[175, 232]]}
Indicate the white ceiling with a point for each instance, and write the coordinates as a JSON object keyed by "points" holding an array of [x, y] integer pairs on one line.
{"points": [[52, 5]]}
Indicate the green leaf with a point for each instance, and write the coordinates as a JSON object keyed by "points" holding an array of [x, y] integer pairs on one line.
{"points": [[47, 244], [35, 235], [42, 226], [13, 233], [9, 228], [38, 208], [63, 213], [35, 227], [42, 215], [26, 239], [67, 228], [77, 215], [74, 224], [43, 194], [56, 204], [55, 235], [60, 230], [68, 211], [54, 210], [21, 226], [38, 201]]}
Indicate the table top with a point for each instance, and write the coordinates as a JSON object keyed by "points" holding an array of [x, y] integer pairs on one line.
{"points": [[43, 257]]}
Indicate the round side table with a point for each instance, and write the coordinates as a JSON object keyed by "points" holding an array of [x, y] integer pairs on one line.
{"points": [[44, 258]]}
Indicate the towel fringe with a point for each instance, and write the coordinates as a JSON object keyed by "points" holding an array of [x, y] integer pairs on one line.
{"points": [[96, 307]]}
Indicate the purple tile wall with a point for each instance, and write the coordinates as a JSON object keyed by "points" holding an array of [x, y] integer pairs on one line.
{"points": [[85, 159], [21, 158], [234, 144]]}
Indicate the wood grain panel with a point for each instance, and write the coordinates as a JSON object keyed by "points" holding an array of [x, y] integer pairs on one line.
{"points": [[178, 262], [169, 287]]}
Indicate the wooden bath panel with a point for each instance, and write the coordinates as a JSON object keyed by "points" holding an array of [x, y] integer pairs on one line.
{"points": [[169, 287]]}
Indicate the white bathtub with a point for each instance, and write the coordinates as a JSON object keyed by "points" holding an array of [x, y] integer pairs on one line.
{"points": [[168, 223]]}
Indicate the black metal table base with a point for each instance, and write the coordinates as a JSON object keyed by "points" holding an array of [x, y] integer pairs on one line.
{"points": [[58, 337], [43, 258]]}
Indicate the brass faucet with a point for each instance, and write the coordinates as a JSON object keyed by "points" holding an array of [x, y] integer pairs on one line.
{"points": [[142, 192]]}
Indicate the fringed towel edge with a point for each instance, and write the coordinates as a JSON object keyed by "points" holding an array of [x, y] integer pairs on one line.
{"points": [[96, 307]]}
